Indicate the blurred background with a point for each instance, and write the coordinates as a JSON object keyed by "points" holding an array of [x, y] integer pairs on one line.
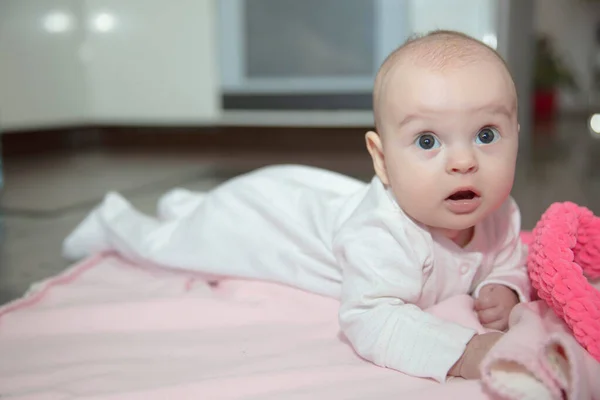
{"points": [[141, 96]]}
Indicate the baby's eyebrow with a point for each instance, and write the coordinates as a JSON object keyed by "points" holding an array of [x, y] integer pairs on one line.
{"points": [[407, 119], [496, 109], [493, 109]]}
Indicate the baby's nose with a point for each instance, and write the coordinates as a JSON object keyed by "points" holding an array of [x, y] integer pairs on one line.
{"points": [[463, 163], [464, 169]]}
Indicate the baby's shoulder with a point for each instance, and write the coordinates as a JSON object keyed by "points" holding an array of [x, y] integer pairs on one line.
{"points": [[376, 207], [378, 225]]}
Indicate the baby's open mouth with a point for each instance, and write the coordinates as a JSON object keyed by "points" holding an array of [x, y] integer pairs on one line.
{"points": [[463, 195]]}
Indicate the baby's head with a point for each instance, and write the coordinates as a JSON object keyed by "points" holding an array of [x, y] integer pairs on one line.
{"points": [[447, 133]]}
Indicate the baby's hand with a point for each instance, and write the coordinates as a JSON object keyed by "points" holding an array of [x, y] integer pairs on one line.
{"points": [[468, 365], [494, 304]]}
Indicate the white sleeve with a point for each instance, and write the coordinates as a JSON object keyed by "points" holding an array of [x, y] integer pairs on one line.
{"points": [[382, 282], [510, 263]]}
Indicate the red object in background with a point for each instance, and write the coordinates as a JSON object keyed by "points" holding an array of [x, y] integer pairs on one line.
{"points": [[544, 104]]}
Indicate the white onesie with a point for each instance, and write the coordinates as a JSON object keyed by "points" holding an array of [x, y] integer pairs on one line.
{"points": [[328, 234]]}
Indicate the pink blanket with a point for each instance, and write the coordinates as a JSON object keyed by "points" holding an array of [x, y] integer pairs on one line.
{"points": [[107, 329]]}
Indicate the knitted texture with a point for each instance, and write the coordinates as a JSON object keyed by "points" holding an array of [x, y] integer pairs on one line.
{"points": [[564, 252]]}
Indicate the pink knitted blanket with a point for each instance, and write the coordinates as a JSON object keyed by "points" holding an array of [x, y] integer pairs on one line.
{"points": [[107, 329]]}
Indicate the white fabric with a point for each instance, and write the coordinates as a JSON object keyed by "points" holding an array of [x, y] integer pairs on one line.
{"points": [[328, 234]]}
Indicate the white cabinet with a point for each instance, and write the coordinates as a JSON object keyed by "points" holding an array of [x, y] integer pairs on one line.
{"points": [[41, 78], [74, 62], [151, 61]]}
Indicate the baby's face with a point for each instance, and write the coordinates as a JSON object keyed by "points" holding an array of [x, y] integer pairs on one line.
{"points": [[450, 141]]}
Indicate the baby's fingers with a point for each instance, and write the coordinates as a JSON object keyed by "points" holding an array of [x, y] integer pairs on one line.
{"points": [[484, 302], [498, 325], [489, 316]]}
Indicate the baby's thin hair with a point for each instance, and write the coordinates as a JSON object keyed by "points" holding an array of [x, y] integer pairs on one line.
{"points": [[435, 50], [440, 49]]}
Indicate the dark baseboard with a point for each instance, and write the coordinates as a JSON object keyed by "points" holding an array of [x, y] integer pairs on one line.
{"points": [[39, 141], [230, 139], [269, 102]]}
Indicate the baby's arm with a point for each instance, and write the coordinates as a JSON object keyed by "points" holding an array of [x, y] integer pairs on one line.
{"points": [[382, 282], [510, 268]]}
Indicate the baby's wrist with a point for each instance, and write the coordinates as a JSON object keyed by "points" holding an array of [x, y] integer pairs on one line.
{"points": [[456, 369]]}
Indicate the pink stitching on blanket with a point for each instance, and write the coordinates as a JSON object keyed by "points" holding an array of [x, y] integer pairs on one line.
{"points": [[73, 273], [66, 277]]}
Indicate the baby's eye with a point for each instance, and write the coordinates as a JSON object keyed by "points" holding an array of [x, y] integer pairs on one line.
{"points": [[487, 135], [427, 141]]}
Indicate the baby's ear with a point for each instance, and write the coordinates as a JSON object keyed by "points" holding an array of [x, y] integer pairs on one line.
{"points": [[375, 147]]}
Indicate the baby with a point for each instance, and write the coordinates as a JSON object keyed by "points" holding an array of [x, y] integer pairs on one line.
{"points": [[436, 221]]}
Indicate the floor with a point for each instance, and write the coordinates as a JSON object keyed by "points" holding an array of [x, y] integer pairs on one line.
{"points": [[45, 197]]}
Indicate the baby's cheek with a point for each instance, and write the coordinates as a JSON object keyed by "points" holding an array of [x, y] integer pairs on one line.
{"points": [[412, 179], [502, 167], [499, 179], [413, 191]]}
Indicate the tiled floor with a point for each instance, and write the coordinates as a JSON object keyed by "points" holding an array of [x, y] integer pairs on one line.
{"points": [[44, 198]]}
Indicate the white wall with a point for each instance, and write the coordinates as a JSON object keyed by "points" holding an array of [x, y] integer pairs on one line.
{"points": [[68, 62], [41, 79], [572, 25], [158, 64]]}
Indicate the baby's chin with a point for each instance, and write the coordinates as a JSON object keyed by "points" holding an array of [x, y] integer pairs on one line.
{"points": [[453, 222]]}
